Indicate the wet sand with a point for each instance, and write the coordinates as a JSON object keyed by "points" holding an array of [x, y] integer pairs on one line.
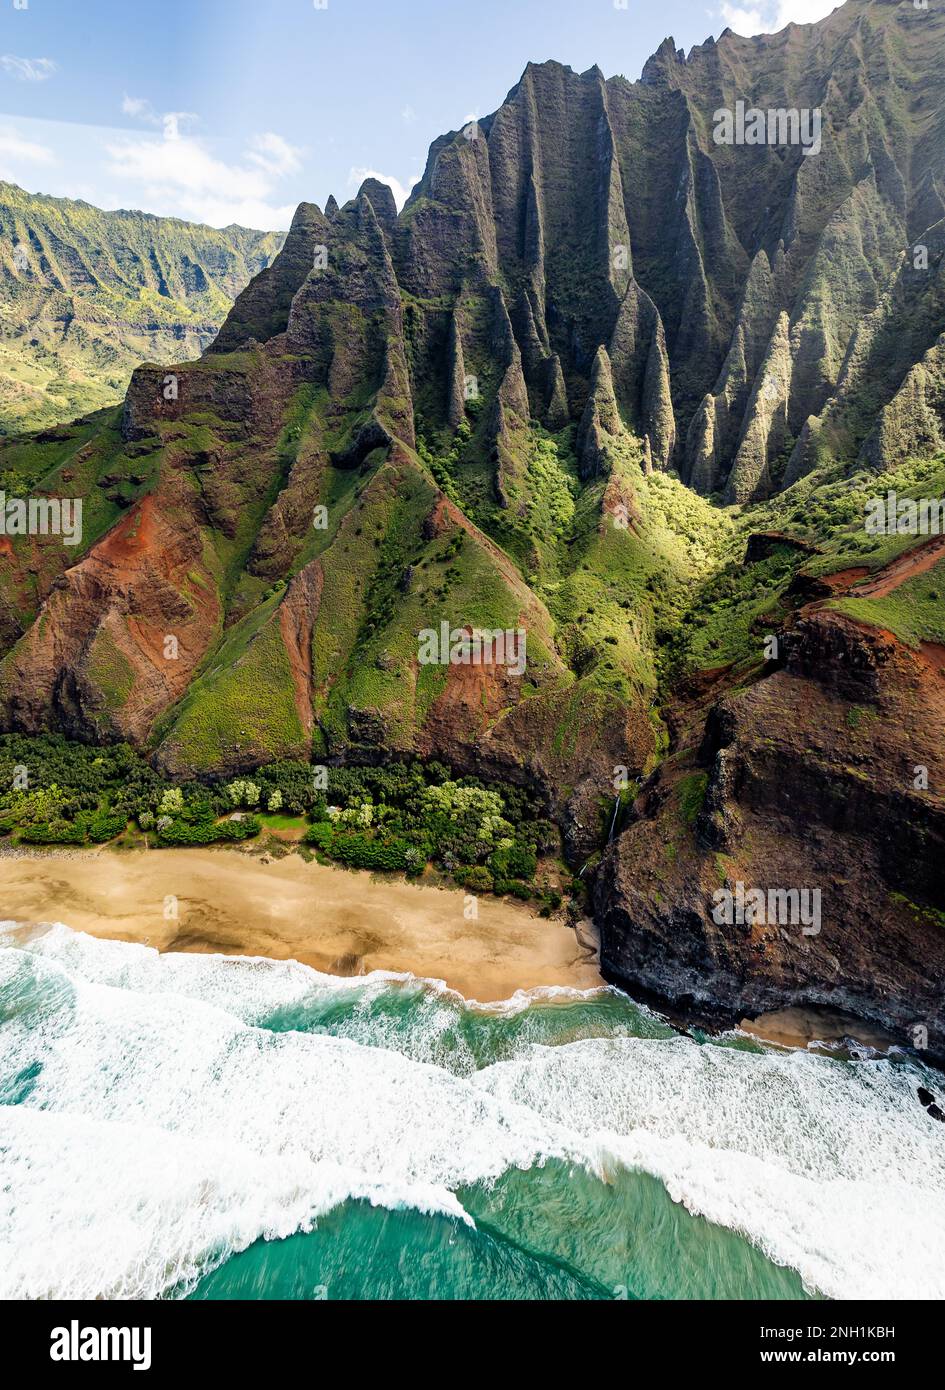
{"points": [[336, 920], [805, 1027]]}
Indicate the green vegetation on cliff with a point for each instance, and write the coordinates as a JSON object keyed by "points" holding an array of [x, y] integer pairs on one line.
{"points": [[86, 295]]}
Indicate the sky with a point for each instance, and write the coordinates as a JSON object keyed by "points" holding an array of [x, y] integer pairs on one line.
{"points": [[225, 111]]}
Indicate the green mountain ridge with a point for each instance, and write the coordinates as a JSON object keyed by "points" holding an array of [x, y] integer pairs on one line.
{"points": [[86, 295]]}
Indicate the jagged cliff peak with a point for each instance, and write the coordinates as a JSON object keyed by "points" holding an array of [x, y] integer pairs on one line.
{"points": [[585, 291]]}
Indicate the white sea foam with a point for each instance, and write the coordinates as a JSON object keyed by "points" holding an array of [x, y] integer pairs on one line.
{"points": [[253, 987], [250, 986], [164, 1131], [148, 1107], [126, 1210], [831, 1168]]}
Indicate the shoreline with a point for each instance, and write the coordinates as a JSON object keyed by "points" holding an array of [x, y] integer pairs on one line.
{"points": [[820, 1028], [338, 921], [346, 922]]}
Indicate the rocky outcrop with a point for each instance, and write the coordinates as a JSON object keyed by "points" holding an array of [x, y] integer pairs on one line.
{"points": [[600, 421], [641, 373], [912, 425], [262, 310], [608, 215], [808, 780], [892, 363], [510, 410], [456, 408], [765, 430], [123, 631]]}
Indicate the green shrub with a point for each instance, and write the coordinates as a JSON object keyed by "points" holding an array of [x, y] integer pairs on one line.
{"points": [[208, 832], [513, 861], [692, 791], [396, 817], [55, 833], [321, 835], [362, 851], [243, 829], [478, 879], [104, 827]]}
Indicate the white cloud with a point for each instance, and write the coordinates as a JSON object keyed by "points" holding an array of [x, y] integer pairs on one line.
{"points": [[803, 11], [275, 155], [401, 191], [138, 107], [14, 147], [772, 15], [408, 115], [27, 69], [744, 22], [141, 110], [177, 175]]}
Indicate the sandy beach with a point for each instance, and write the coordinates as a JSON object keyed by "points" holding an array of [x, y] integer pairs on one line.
{"points": [[800, 1027], [335, 920]]}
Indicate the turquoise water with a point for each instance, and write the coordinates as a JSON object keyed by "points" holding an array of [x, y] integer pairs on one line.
{"points": [[210, 1127]]}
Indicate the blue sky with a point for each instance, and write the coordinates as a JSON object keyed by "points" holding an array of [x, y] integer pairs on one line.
{"points": [[235, 110]]}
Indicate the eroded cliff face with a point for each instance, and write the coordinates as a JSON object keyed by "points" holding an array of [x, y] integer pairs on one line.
{"points": [[759, 306], [825, 774]]}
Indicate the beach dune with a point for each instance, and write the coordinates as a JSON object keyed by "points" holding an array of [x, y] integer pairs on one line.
{"points": [[342, 922]]}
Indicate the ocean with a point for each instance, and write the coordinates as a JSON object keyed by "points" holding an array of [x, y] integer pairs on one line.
{"points": [[210, 1127]]}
